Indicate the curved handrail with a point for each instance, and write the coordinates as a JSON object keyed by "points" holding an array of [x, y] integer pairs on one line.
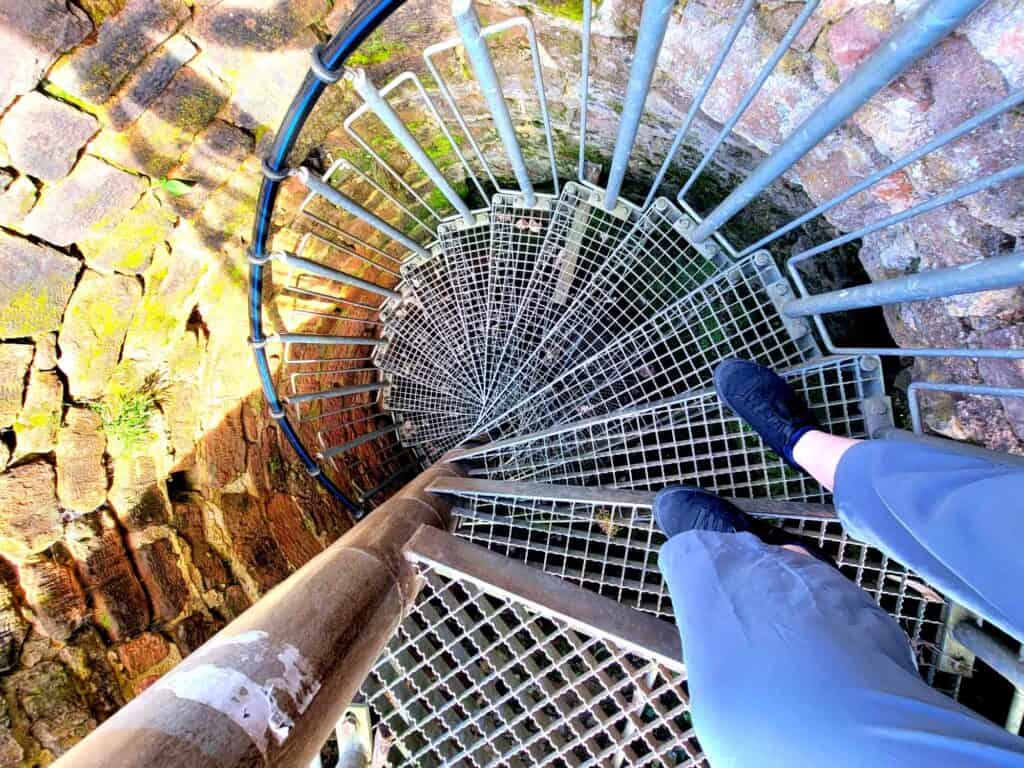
{"points": [[327, 59]]}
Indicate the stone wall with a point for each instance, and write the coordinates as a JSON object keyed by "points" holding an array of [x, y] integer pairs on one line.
{"points": [[145, 499]]}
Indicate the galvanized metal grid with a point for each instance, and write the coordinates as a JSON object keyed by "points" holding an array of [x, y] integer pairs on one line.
{"points": [[415, 351], [579, 239], [518, 233], [675, 351], [477, 678], [427, 282], [467, 253], [689, 438], [611, 548], [653, 266]]}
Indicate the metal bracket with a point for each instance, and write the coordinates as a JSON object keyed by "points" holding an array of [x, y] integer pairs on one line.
{"points": [[955, 657], [877, 413]]}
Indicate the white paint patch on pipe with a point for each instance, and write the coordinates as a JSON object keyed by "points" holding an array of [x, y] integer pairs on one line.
{"points": [[258, 709], [229, 692]]}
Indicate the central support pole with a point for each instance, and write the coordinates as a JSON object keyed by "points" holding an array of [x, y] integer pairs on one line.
{"points": [[653, 24], [270, 687]]}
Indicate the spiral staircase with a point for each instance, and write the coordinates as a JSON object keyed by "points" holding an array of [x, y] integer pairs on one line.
{"points": [[557, 346]]}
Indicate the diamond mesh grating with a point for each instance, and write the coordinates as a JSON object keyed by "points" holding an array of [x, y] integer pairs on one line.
{"points": [[474, 678], [612, 549]]}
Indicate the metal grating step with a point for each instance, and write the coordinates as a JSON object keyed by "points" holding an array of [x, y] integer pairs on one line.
{"points": [[675, 351], [578, 241], [605, 540], [499, 664], [688, 438], [652, 267]]}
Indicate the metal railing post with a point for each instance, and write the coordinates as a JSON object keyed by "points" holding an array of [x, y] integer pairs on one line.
{"points": [[653, 24], [468, 23], [988, 274], [914, 38], [270, 687], [315, 184], [292, 261], [386, 114]]}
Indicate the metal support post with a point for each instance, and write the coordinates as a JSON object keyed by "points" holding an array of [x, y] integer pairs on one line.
{"points": [[270, 687], [985, 275], [914, 38], [330, 194], [468, 23], [653, 24], [292, 261], [387, 115], [356, 389]]}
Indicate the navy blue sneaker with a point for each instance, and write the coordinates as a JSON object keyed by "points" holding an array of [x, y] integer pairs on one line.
{"points": [[684, 508], [765, 401]]}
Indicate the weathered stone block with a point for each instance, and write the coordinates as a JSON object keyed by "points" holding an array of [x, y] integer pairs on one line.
{"points": [[29, 516], [14, 362], [190, 519], [119, 603], [297, 542], [127, 245], [11, 752], [46, 352], [257, 559], [13, 627], [35, 430], [81, 476], [53, 593], [157, 140], [856, 36], [138, 503], [92, 73], [148, 82], [93, 195], [16, 201], [36, 287], [192, 631], [43, 135], [171, 282], [142, 653], [94, 326], [260, 48], [217, 153], [58, 715], [32, 35], [88, 661], [161, 573]]}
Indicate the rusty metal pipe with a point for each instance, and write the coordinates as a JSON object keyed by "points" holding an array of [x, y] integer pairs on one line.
{"points": [[270, 687]]}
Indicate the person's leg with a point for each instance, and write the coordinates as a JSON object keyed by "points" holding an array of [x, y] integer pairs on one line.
{"points": [[790, 664], [819, 454], [955, 520]]}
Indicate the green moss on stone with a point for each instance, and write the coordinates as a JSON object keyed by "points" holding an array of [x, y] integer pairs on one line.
{"points": [[376, 50], [564, 9]]}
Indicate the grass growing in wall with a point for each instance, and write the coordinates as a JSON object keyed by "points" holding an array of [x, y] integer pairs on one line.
{"points": [[126, 416]]}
